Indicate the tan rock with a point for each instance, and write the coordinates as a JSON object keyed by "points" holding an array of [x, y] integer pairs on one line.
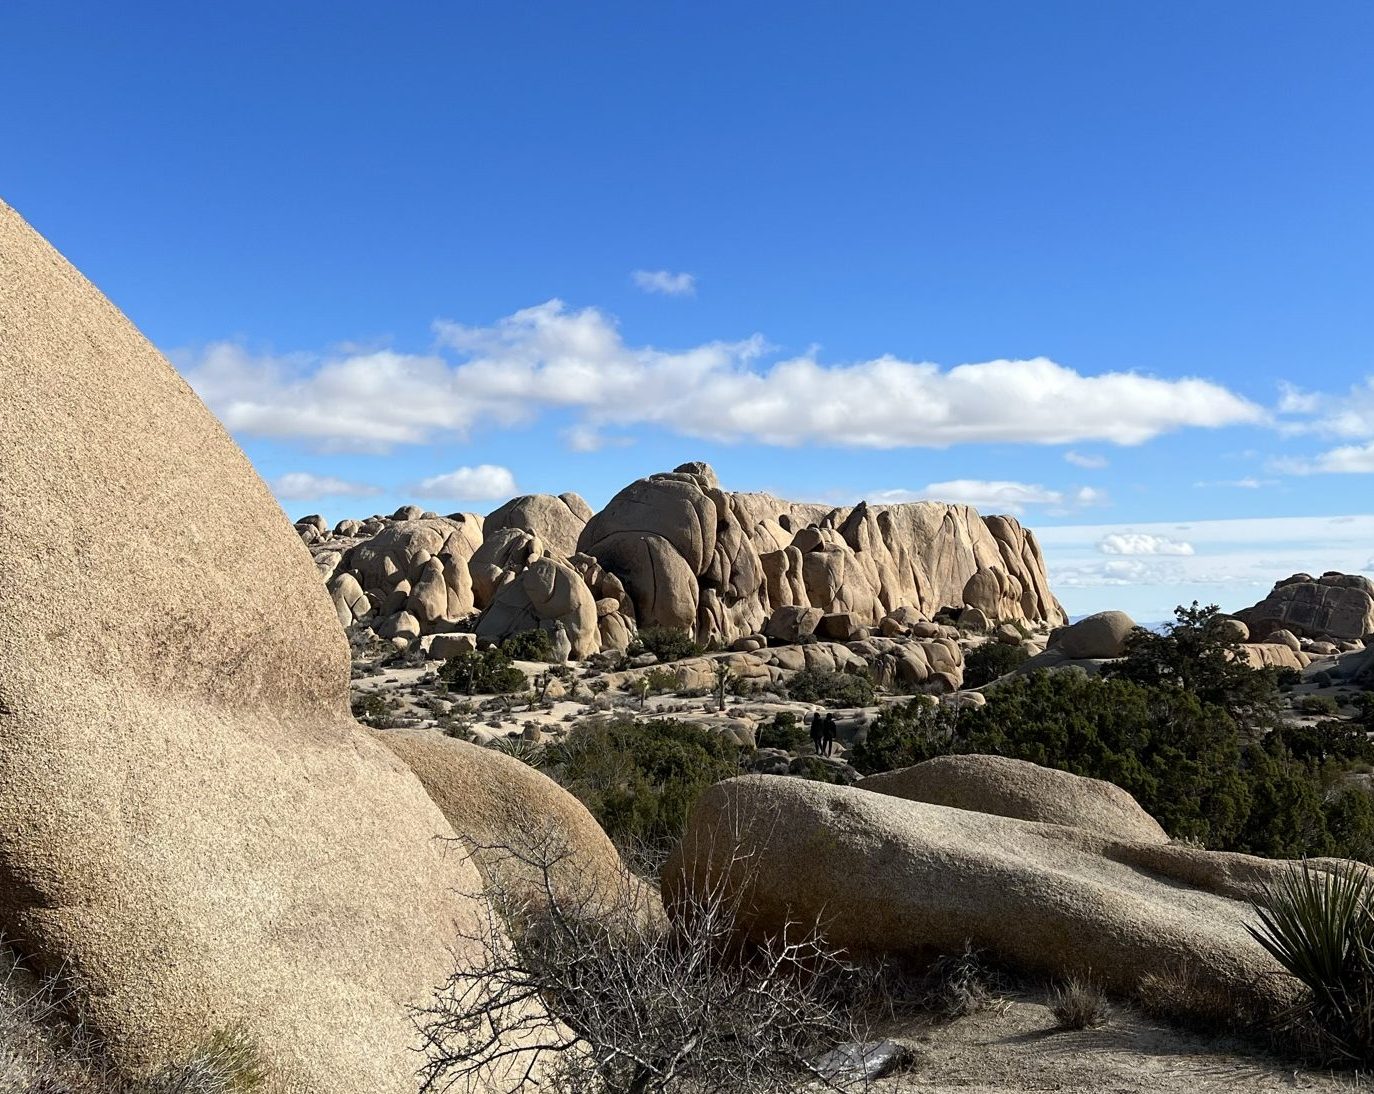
{"points": [[1098, 636], [191, 825], [1015, 788], [512, 817], [885, 875]]}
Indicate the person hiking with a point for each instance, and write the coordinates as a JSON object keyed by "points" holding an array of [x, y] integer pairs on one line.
{"points": [[817, 732]]}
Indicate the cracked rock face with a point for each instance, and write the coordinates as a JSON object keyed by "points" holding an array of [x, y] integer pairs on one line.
{"points": [[1334, 605]]}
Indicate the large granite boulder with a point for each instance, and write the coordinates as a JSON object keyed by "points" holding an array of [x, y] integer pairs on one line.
{"points": [[192, 828], [557, 520], [515, 820], [1333, 606], [1027, 791], [1095, 637], [889, 876], [546, 595], [719, 564]]}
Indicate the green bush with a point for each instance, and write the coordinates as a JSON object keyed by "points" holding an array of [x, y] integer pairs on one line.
{"points": [[984, 664], [840, 689], [482, 672], [817, 770], [371, 709], [1317, 704], [660, 680], [639, 779], [784, 732], [1198, 654], [1185, 760], [665, 643], [535, 645]]}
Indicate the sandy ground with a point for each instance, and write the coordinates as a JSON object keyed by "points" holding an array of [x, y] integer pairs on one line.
{"points": [[1019, 1048]]}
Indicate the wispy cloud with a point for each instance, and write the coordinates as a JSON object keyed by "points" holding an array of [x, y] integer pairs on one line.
{"points": [[1348, 459], [1088, 462], [1142, 543], [304, 486], [665, 282], [485, 482], [551, 358], [1247, 483], [992, 496]]}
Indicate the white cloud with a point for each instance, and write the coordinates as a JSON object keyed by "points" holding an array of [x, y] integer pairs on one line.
{"points": [[1116, 573], [1348, 414], [303, 486], [586, 438], [1247, 483], [1349, 459], [549, 358], [1089, 462], [1142, 543], [665, 282], [485, 482], [995, 496]]}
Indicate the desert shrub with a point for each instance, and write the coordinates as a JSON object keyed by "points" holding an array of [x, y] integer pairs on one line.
{"points": [[373, 710], [1184, 760], [665, 643], [960, 984], [1198, 654], [482, 672], [1317, 704], [816, 770], [1287, 678], [533, 645], [640, 779], [1319, 926], [527, 752], [1079, 1003], [660, 680], [631, 1005], [785, 731], [840, 689], [984, 664]]}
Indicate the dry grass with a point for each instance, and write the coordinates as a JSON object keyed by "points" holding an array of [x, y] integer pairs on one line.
{"points": [[45, 1048], [1079, 1003]]}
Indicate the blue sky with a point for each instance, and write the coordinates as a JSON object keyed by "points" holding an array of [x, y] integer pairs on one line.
{"points": [[1107, 266]]}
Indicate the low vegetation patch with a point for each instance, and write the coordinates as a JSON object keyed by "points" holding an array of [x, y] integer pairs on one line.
{"points": [[986, 663], [1197, 737], [534, 645], [837, 689], [640, 779], [1079, 1003], [482, 672], [665, 643]]}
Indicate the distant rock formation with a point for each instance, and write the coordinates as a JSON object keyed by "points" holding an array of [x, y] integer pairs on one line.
{"points": [[675, 550], [1334, 606], [192, 828]]}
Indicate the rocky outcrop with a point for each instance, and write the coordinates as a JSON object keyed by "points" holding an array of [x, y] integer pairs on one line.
{"points": [[1333, 606], [548, 595], [694, 557], [557, 521], [192, 828], [886, 875], [1026, 791], [675, 550]]}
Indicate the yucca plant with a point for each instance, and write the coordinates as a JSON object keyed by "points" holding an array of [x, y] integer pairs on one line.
{"points": [[520, 749], [1319, 925]]}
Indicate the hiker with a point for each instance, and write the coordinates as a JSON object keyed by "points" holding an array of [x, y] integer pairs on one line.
{"points": [[828, 732], [817, 732]]}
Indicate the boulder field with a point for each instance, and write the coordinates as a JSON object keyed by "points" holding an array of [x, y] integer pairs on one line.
{"points": [[675, 550], [193, 830]]}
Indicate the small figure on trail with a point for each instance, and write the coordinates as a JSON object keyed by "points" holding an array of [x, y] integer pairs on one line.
{"points": [[828, 733], [817, 732]]}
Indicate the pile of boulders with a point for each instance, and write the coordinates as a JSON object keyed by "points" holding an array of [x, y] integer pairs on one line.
{"points": [[674, 550]]}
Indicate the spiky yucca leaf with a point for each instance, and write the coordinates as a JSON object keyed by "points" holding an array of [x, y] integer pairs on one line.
{"points": [[1318, 925]]}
